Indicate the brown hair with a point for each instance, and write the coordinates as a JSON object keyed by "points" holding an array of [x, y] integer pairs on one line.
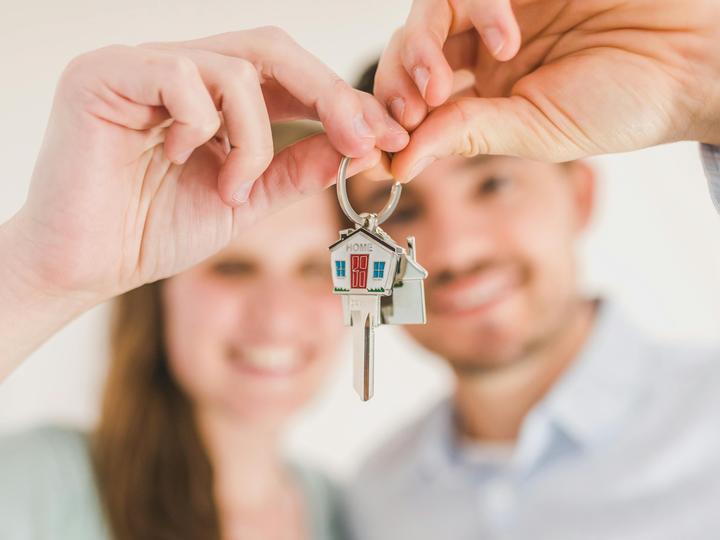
{"points": [[153, 473]]}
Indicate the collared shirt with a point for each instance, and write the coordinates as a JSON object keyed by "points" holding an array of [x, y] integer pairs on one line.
{"points": [[625, 446], [711, 161]]}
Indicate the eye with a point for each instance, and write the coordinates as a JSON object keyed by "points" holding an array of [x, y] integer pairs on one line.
{"points": [[233, 268], [491, 185], [315, 269], [404, 214]]}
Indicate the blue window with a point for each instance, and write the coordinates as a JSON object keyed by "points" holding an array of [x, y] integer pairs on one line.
{"points": [[340, 268], [378, 269]]}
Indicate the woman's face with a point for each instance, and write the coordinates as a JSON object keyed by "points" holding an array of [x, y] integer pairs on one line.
{"points": [[253, 330]]}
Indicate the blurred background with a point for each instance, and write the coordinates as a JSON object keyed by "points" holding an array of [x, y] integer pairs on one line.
{"points": [[654, 245]]}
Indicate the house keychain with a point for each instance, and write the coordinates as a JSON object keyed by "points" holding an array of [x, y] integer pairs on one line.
{"points": [[380, 282]]}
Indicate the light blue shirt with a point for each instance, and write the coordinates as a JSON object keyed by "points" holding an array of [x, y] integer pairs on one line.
{"points": [[48, 490], [625, 446]]}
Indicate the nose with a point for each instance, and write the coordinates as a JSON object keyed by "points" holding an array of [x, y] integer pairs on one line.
{"points": [[457, 238], [275, 311]]}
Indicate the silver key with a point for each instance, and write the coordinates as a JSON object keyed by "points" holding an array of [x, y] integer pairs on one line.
{"points": [[380, 282]]}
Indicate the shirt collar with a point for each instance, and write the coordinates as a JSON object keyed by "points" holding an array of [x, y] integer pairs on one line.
{"points": [[582, 408]]}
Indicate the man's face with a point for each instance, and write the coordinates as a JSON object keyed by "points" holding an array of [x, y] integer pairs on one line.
{"points": [[497, 237]]}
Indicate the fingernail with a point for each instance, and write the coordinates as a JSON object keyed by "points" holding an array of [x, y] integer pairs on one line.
{"points": [[362, 129], [420, 166], [243, 192], [421, 76], [182, 158], [397, 108], [493, 39]]}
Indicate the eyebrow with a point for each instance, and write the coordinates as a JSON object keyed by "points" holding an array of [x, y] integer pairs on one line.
{"points": [[480, 159]]}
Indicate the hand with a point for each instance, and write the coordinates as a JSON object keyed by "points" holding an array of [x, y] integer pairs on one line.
{"points": [[135, 182], [591, 77]]}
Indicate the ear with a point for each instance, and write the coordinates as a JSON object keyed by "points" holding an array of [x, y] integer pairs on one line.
{"points": [[583, 179]]}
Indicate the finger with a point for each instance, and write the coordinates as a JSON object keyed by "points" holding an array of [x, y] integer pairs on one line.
{"points": [[380, 172], [235, 89], [396, 89], [497, 26], [313, 84], [431, 22], [304, 168], [470, 126], [150, 79], [421, 51], [391, 136]]}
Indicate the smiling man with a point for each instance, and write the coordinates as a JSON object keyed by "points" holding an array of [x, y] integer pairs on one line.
{"points": [[565, 422]]}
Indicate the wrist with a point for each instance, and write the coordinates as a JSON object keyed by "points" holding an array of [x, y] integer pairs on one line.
{"points": [[25, 274], [31, 308]]}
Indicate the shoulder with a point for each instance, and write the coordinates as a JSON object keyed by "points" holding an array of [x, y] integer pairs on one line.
{"points": [[691, 374], [43, 450], [45, 474], [323, 503]]}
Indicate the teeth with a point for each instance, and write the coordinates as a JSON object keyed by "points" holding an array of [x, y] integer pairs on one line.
{"points": [[485, 291], [272, 358]]}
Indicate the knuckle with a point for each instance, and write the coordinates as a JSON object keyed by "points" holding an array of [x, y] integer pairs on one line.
{"points": [[82, 70], [81, 64], [210, 127], [242, 71], [178, 68], [472, 141], [239, 78], [274, 34]]}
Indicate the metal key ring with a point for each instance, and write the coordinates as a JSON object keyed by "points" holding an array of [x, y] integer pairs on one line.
{"points": [[347, 208]]}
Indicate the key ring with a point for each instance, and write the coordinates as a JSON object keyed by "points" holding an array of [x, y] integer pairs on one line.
{"points": [[362, 219]]}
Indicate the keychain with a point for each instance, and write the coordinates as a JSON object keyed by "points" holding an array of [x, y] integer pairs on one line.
{"points": [[380, 282]]}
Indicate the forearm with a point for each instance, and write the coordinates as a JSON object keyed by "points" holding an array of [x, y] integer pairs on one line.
{"points": [[30, 310]]}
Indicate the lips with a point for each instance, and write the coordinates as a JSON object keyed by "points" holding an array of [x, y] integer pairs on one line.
{"points": [[475, 292], [270, 361]]}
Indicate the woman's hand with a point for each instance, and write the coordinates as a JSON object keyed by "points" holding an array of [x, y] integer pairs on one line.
{"points": [[590, 77], [135, 182], [156, 155]]}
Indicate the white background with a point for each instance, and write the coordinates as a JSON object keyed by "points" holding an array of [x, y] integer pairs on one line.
{"points": [[654, 245]]}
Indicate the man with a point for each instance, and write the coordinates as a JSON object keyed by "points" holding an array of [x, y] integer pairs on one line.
{"points": [[565, 422]]}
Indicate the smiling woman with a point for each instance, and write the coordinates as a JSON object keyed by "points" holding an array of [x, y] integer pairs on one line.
{"points": [[206, 369]]}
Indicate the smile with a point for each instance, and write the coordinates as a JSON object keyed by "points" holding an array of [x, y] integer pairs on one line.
{"points": [[477, 292]]}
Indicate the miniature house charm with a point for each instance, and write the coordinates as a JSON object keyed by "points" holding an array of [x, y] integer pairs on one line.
{"points": [[379, 281], [367, 264]]}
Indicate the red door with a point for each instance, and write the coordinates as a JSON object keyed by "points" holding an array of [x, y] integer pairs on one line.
{"points": [[358, 271]]}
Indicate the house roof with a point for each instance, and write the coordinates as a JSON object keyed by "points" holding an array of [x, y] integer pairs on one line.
{"points": [[419, 271], [374, 238]]}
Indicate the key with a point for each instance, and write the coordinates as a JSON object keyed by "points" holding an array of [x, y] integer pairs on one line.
{"points": [[363, 334], [365, 263], [379, 281]]}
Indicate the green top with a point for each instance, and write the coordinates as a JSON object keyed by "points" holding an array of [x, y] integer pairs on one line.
{"points": [[48, 492]]}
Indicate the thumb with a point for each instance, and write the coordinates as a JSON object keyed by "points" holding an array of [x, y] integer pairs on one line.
{"points": [[300, 170], [468, 127]]}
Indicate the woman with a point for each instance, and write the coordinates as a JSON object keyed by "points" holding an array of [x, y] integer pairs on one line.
{"points": [[207, 367]]}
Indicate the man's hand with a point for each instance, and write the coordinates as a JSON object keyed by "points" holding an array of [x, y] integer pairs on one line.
{"points": [[590, 77]]}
